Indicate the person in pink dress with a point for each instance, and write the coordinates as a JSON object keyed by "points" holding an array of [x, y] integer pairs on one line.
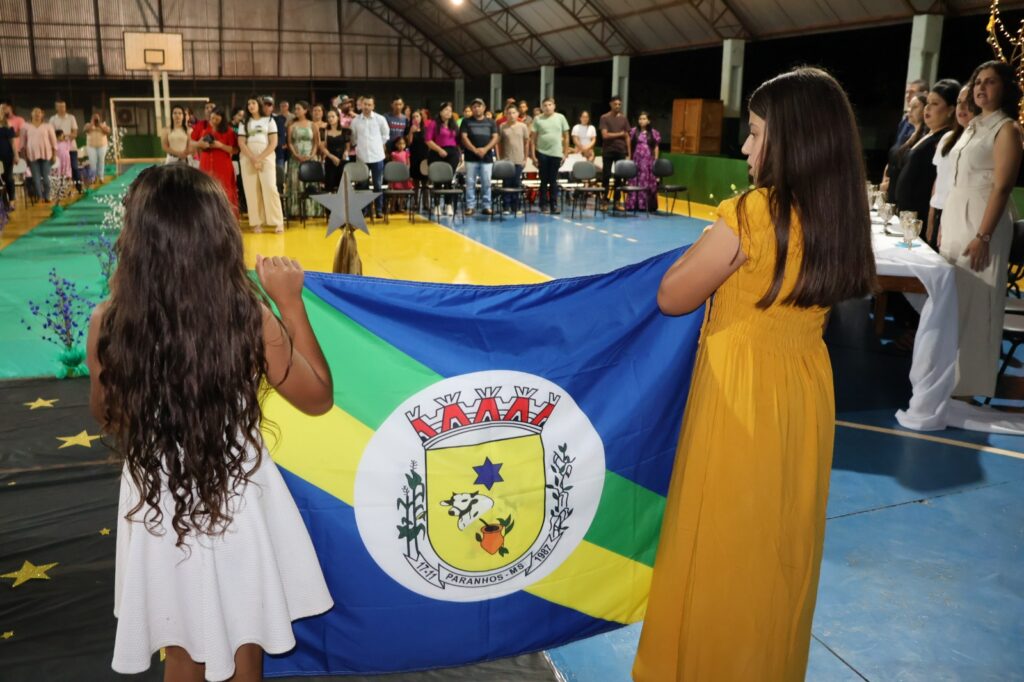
{"points": [[63, 154], [401, 154], [644, 141]]}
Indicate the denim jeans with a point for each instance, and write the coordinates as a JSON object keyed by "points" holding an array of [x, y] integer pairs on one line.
{"points": [[513, 200], [376, 175], [548, 167], [482, 170], [41, 177]]}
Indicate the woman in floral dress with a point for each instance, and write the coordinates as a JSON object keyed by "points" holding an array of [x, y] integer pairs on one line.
{"points": [[304, 143], [644, 141]]}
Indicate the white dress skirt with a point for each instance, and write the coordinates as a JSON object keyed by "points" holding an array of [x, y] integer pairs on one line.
{"points": [[243, 587]]}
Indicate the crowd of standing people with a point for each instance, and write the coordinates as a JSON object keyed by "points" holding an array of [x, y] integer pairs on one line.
{"points": [[48, 146], [271, 141], [955, 161]]}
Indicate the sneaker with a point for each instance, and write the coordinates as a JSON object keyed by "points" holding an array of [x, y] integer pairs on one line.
{"points": [[507, 211], [487, 211], [378, 216], [469, 212], [449, 211], [555, 211]]}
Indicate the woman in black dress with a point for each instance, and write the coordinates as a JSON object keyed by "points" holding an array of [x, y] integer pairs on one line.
{"points": [[8, 157], [418, 149], [917, 177], [334, 146], [897, 154]]}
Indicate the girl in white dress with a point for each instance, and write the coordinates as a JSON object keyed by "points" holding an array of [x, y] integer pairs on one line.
{"points": [[213, 559], [976, 228]]}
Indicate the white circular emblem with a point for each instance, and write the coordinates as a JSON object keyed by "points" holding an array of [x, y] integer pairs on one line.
{"points": [[479, 485]]}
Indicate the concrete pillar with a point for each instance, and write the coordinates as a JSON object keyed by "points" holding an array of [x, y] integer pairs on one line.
{"points": [[732, 76], [547, 82], [620, 79], [495, 97], [459, 100], [925, 41]]}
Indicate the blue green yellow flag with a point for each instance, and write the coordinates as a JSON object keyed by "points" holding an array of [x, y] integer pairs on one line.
{"points": [[491, 479]]}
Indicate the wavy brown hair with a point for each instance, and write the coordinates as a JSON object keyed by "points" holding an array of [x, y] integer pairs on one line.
{"points": [[811, 165], [181, 351]]}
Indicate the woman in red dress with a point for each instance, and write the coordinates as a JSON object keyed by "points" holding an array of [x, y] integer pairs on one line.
{"points": [[217, 145]]}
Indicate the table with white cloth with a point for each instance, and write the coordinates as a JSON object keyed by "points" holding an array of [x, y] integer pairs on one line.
{"points": [[934, 360]]}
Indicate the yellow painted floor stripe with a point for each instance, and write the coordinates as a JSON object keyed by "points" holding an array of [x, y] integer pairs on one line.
{"points": [[934, 439], [422, 251]]}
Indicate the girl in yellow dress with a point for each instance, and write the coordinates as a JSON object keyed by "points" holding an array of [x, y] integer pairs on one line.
{"points": [[736, 574]]}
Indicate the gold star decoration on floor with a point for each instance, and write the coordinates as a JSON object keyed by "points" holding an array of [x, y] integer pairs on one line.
{"points": [[41, 402], [29, 571], [104, 531], [83, 439], [8, 634]]}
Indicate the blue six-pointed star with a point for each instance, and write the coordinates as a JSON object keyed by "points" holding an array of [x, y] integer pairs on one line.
{"points": [[488, 473]]}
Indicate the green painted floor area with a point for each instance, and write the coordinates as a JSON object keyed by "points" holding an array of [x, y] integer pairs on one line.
{"points": [[58, 242]]}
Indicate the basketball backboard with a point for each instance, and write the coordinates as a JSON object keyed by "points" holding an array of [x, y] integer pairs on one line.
{"points": [[149, 51]]}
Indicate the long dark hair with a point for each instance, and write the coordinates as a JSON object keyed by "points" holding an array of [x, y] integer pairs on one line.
{"points": [[181, 351], [223, 127], [1011, 90], [184, 118], [451, 120], [650, 131], [248, 114], [919, 131], [958, 129], [812, 165]]}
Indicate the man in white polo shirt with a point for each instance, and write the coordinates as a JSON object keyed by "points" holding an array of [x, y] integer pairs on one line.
{"points": [[62, 120], [370, 132]]}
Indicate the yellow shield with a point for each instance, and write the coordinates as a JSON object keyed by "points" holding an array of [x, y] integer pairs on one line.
{"points": [[485, 501]]}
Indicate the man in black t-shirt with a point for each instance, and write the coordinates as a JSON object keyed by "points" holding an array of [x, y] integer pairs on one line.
{"points": [[479, 135]]}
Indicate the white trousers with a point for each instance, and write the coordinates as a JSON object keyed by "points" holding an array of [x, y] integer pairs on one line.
{"points": [[260, 187]]}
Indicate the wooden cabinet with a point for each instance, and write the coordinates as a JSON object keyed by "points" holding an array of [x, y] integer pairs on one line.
{"points": [[697, 126]]}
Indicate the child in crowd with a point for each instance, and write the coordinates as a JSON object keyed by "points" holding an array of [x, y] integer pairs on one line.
{"points": [[63, 154], [400, 154]]}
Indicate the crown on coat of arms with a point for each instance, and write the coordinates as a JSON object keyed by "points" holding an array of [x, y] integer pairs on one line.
{"points": [[489, 409]]}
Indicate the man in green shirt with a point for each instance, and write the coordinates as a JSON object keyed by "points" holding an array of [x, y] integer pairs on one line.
{"points": [[551, 144]]}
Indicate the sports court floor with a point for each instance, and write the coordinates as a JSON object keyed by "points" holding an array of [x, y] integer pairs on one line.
{"points": [[922, 574]]}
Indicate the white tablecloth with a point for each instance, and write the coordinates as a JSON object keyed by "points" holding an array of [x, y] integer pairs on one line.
{"points": [[933, 366]]}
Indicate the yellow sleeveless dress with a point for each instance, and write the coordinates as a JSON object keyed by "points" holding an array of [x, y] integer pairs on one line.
{"points": [[736, 575]]}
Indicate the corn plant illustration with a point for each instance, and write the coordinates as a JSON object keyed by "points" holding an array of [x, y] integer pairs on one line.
{"points": [[413, 506], [492, 536]]}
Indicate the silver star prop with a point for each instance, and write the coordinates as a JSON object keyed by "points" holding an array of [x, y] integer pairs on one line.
{"points": [[346, 206]]}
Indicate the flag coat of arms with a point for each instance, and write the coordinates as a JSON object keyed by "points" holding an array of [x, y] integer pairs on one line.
{"points": [[491, 479]]}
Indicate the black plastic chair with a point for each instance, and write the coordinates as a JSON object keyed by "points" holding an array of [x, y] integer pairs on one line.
{"points": [[663, 168], [396, 171], [279, 179], [504, 171], [311, 174], [1015, 264], [440, 174], [359, 176], [586, 173], [625, 171]]}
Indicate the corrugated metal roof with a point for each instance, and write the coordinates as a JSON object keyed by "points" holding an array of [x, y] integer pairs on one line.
{"points": [[410, 38]]}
